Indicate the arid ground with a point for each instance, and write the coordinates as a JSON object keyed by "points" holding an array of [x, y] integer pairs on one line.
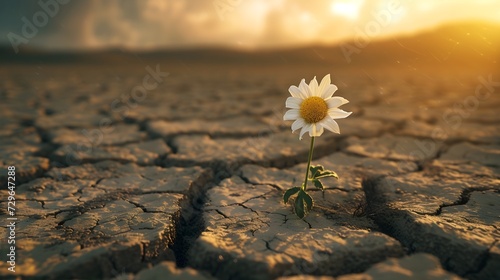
{"points": [[176, 168]]}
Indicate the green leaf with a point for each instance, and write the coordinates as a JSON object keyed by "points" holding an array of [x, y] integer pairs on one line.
{"points": [[299, 207], [318, 184], [315, 169], [326, 173], [307, 199], [289, 193]]}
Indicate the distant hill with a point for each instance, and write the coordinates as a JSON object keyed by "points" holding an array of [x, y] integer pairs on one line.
{"points": [[464, 44], [459, 44]]}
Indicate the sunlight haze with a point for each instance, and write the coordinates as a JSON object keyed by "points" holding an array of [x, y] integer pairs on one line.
{"points": [[134, 24]]}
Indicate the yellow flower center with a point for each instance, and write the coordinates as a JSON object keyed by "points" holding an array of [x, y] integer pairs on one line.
{"points": [[313, 109]]}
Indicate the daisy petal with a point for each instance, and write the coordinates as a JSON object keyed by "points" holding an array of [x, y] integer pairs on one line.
{"points": [[316, 130], [336, 101], [295, 92], [324, 83], [298, 123], [336, 113], [331, 125], [305, 129], [293, 102], [321, 130], [291, 115], [328, 91], [304, 88], [313, 86]]}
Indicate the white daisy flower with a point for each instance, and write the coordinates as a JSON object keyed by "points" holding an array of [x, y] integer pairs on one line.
{"points": [[313, 108]]}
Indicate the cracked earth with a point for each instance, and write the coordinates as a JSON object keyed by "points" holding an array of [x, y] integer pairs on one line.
{"points": [[188, 182]]}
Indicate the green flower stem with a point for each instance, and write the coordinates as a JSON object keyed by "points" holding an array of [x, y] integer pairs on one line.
{"points": [[311, 148]]}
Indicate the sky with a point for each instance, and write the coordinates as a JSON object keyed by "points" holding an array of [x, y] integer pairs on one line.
{"points": [[250, 24]]}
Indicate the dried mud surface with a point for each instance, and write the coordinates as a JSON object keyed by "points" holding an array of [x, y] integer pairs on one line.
{"points": [[186, 182]]}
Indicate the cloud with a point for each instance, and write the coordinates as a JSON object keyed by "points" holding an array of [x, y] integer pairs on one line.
{"points": [[142, 24]]}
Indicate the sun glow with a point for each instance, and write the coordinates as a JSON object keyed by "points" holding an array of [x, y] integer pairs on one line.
{"points": [[347, 9], [148, 24]]}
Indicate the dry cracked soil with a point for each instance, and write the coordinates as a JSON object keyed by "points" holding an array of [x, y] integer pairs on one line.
{"points": [[185, 181]]}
